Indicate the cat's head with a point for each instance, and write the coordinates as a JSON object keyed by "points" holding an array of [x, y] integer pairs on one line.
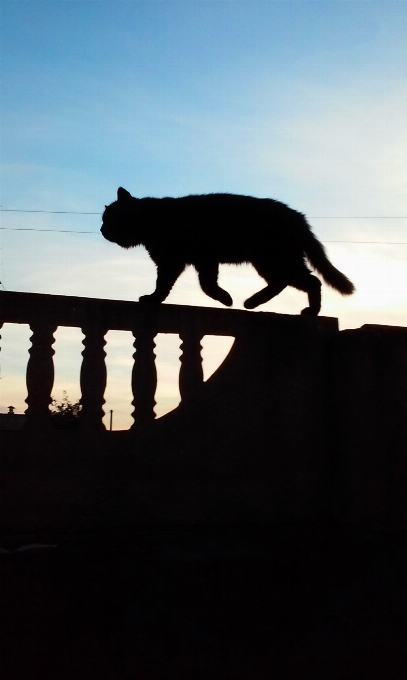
{"points": [[119, 222]]}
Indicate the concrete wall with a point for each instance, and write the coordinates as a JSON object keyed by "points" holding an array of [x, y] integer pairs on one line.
{"points": [[301, 424]]}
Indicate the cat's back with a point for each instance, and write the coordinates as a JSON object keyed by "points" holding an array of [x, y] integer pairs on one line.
{"points": [[197, 220]]}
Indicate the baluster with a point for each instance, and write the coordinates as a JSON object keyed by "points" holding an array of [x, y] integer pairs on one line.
{"points": [[144, 377], [191, 373], [40, 373], [93, 377]]}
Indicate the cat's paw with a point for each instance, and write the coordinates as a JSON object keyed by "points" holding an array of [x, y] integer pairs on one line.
{"points": [[309, 312], [148, 300], [250, 304], [225, 299]]}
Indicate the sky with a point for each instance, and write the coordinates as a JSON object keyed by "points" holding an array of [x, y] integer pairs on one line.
{"points": [[301, 101]]}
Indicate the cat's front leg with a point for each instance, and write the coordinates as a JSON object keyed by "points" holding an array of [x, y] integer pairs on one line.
{"points": [[167, 274], [208, 279]]}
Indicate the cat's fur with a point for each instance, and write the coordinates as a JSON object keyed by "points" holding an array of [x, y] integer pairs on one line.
{"points": [[208, 230]]}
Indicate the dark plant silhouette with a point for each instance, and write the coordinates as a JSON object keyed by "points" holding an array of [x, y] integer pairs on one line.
{"points": [[212, 229], [64, 414]]}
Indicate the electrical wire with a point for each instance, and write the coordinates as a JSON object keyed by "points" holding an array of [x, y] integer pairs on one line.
{"points": [[50, 212], [312, 217], [59, 231], [315, 217], [95, 233]]}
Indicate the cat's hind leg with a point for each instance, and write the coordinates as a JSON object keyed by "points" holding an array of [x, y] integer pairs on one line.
{"points": [[276, 284], [265, 294], [312, 286], [208, 279]]}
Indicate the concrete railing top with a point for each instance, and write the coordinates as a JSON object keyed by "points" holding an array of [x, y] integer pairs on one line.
{"points": [[61, 310]]}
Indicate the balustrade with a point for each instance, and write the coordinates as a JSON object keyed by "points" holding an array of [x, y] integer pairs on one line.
{"points": [[44, 313]]}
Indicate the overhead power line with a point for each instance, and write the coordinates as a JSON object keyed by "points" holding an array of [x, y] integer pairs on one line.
{"points": [[58, 231], [382, 243], [96, 233], [311, 217], [50, 212]]}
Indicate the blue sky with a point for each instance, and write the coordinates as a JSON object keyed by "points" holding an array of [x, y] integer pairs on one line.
{"points": [[304, 102]]}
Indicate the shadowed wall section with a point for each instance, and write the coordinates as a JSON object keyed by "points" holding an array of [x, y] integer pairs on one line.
{"points": [[251, 444], [305, 427], [369, 440]]}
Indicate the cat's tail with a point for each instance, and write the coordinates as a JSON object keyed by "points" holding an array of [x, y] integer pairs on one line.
{"points": [[315, 253]]}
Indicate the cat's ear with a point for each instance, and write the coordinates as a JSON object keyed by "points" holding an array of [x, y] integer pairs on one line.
{"points": [[123, 195]]}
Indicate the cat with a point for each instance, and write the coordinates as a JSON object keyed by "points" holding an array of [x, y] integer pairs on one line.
{"points": [[208, 230]]}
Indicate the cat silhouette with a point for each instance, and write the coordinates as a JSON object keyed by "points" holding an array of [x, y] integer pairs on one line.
{"points": [[212, 229]]}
